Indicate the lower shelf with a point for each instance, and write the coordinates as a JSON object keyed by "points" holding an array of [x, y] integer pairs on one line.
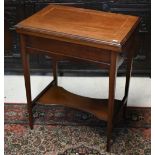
{"points": [[56, 95], [59, 96]]}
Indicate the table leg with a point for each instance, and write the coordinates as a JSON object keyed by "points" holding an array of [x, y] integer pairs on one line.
{"points": [[128, 75], [55, 71], [26, 67], [112, 81]]}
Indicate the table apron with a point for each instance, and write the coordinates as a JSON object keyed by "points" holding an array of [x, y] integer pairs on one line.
{"points": [[47, 46]]}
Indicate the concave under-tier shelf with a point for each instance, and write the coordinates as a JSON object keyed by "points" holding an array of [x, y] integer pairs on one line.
{"points": [[59, 96]]}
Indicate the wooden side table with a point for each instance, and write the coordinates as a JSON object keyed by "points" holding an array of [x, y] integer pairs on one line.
{"points": [[72, 33]]}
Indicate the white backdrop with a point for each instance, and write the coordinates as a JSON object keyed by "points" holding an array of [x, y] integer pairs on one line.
{"points": [[139, 94]]}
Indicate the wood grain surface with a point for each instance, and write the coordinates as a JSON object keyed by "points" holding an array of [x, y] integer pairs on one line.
{"points": [[84, 26]]}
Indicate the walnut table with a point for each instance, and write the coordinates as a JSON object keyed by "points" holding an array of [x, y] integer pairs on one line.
{"points": [[64, 32]]}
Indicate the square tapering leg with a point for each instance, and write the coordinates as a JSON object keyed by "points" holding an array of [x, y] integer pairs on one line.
{"points": [[26, 67], [112, 81]]}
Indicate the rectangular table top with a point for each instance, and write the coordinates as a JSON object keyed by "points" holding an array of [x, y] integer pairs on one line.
{"points": [[83, 26]]}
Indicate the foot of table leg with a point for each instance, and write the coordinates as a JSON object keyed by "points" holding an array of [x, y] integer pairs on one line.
{"points": [[109, 133]]}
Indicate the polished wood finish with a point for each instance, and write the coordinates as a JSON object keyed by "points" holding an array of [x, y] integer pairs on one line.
{"points": [[86, 27], [55, 71], [43, 91], [77, 51], [25, 60], [104, 39], [59, 96], [16, 11], [128, 75], [111, 105]]}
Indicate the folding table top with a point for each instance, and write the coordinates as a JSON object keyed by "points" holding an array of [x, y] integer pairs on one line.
{"points": [[82, 26]]}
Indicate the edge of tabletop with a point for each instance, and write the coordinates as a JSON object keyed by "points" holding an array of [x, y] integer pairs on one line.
{"points": [[107, 45], [68, 38]]}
